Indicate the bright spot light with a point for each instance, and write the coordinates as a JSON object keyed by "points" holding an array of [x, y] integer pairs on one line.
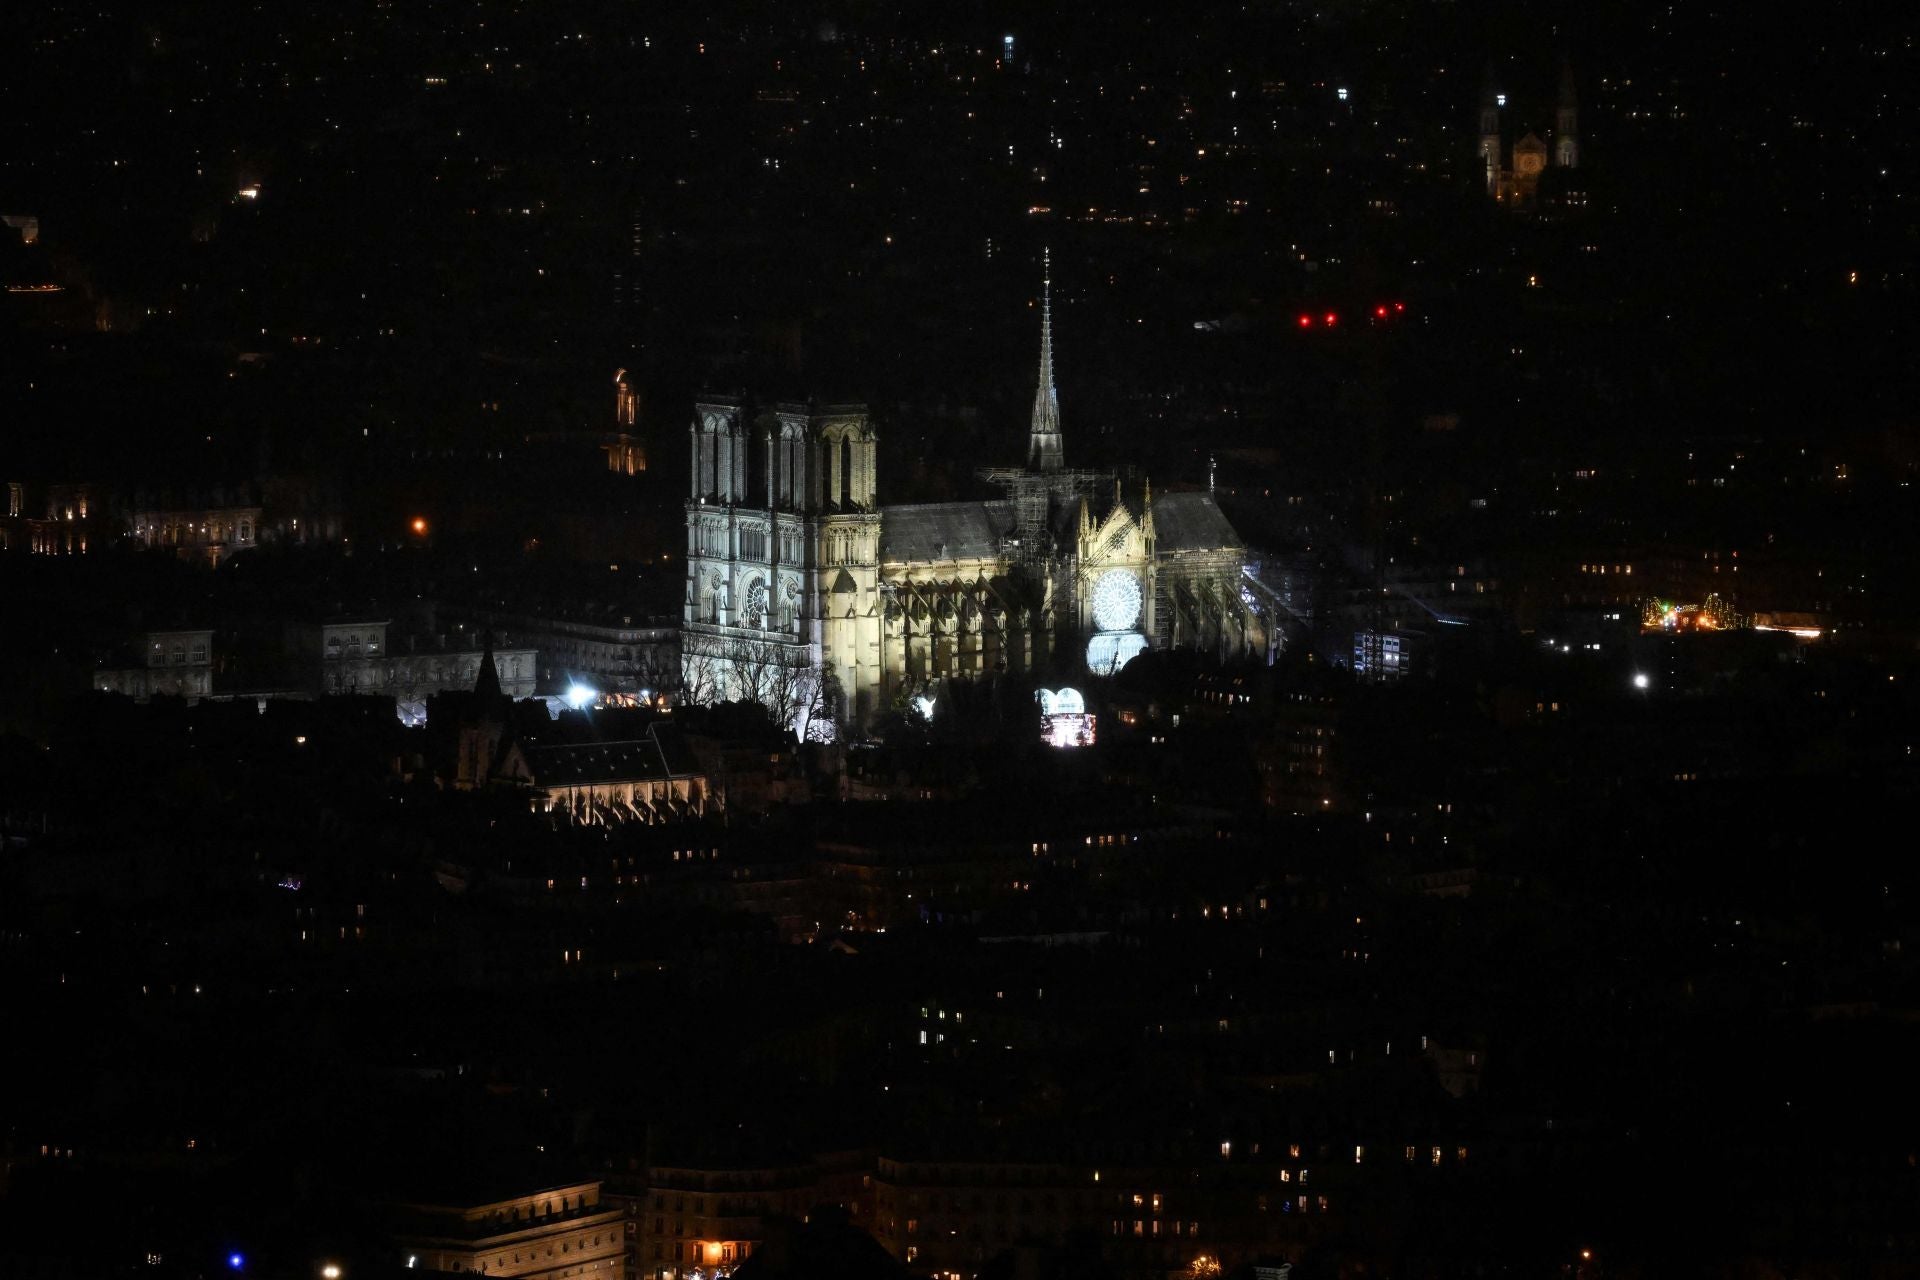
{"points": [[330, 1272], [250, 192], [579, 695], [1342, 94], [1641, 680], [235, 1261], [419, 524]]}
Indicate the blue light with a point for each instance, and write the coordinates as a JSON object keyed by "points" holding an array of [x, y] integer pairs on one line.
{"points": [[235, 1261]]}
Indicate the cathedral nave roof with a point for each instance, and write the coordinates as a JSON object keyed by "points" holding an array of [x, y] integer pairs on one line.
{"points": [[945, 530], [1191, 522]]}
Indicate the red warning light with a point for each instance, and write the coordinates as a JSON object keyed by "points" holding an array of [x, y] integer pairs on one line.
{"points": [[1399, 306], [1331, 319], [1306, 322], [1380, 312]]}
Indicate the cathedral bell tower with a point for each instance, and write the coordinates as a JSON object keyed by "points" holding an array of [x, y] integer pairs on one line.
{"points": [[1489, 153], [626, 451], [1566, 122]]}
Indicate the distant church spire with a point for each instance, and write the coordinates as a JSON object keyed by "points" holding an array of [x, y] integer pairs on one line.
{"points": [[1044, 450], [486, 689], [1566, 120], [1491, 100]]}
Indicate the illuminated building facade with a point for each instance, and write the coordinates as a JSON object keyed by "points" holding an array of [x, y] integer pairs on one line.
{"points": [[626, 654], [794, 567], [626, 451], [1153, 1216], [560, 1233], [212, 533], [690, 1220], [1514, 178], [609, 783], [338, 657], [177, 664], [353, 657], [57, 520]]}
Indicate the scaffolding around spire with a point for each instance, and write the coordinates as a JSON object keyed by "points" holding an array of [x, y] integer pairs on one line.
{"points": [[1045, 451]]}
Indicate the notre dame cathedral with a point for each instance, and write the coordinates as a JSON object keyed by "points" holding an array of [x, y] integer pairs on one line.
{"points": [[807, 595]]}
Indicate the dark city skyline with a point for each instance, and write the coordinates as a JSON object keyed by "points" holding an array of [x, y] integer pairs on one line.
{"points": [[970, 642]]}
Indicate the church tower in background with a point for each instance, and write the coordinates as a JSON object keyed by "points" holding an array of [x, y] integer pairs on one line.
{"points": [[1566, 122], [1490, 136]]}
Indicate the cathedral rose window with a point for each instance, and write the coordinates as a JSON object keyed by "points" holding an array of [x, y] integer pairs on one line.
{"points": [[1116, 600]]}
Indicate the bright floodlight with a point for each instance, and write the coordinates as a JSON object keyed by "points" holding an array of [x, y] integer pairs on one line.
{"points": [[579, 696], [330, 1272], [1641, 680]]}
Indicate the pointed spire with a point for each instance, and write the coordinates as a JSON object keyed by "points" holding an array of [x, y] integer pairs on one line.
{"points": [[487, 688], [1566, 119], [1044, 447]]}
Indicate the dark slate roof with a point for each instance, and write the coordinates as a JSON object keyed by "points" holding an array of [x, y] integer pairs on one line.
{"points": [[944, 530], [635, 760], [1191, 522]]}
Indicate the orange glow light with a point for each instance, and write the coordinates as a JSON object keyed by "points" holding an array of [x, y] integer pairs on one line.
{"points": [[419, 524]]}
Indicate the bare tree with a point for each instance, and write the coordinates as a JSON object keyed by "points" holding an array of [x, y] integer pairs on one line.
{"points": [[659, 668], [700, 677], [755, 670], [796, 694], [817, 706]]}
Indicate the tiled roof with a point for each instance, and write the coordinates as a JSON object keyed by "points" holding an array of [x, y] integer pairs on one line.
{"points": [[1191, 522], [944, 530], [633, 760]]}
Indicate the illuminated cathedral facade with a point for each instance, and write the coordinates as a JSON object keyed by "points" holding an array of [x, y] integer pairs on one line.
{"points": [[1518, 181], [806, 594]]}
